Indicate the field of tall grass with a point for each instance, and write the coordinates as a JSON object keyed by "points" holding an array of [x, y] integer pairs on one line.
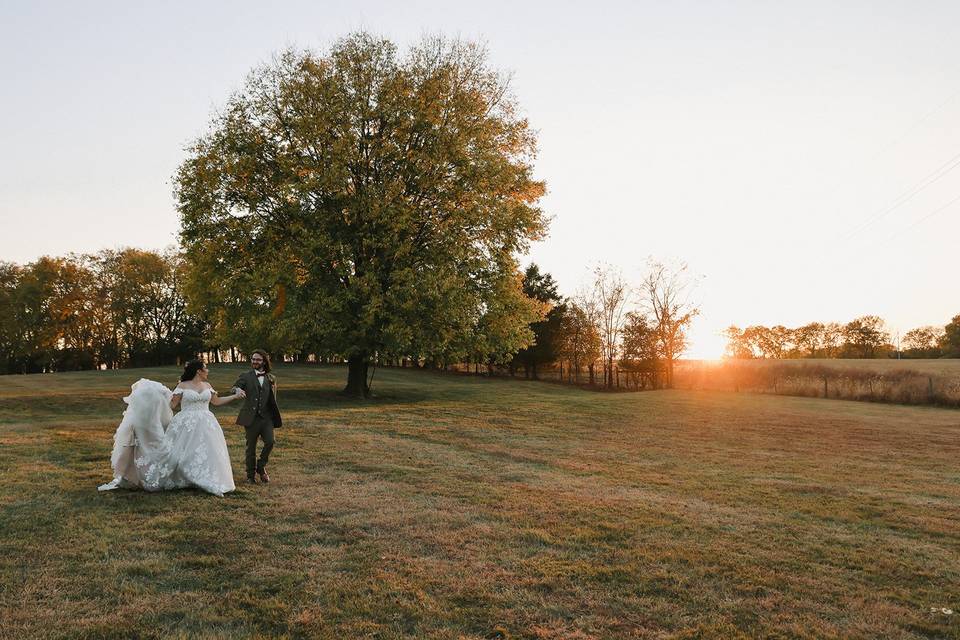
{"points": [[935, 382], [469, 508]]}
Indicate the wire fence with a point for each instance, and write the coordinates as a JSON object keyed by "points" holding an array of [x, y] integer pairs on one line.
{"points": [[842, 380]]}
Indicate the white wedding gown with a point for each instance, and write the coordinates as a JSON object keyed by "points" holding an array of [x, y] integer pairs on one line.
{"points": [[156, 452]]}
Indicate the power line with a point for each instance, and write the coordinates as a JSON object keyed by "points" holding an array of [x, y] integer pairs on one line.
{"points": [[893, 142], [925, 218], [907, 195], [913, 126]]}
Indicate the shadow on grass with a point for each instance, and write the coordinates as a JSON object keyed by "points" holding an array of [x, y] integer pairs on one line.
{"points": [[301, 399], [39, 409], [36, 410]]}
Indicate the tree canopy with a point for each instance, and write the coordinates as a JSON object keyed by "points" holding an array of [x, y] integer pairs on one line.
{"points": [[364, 202], [110, 309], [545, 349]]}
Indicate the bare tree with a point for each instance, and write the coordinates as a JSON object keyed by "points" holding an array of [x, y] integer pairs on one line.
{"points": [[610, 296], [667, 292]]}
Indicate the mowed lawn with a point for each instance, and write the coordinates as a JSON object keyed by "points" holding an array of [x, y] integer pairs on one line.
{"points": [[459, 507]]}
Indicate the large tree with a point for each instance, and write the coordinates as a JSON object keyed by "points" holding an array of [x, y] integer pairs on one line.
{"points": [[11, 328], [739, 344], [36, 331], [864, 336], [641, 348], [923, 342], [364, 201], [950, 342], [545, 349], [809, 339], [579, 335]]}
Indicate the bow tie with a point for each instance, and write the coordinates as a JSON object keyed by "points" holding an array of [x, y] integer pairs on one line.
{"points": [[261, 374]]}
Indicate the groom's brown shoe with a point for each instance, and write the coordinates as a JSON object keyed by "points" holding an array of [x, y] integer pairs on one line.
{"points": [[263, 475]]}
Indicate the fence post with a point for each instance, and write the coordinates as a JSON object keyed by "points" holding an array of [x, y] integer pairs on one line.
{"points": [[618, 377], [825, 387], [930, 389]]}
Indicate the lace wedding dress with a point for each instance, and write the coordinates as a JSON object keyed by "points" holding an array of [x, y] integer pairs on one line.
{"points": [[191, 453]]}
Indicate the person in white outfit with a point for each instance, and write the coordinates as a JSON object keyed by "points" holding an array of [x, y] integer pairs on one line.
{"points": [[192, 452]]}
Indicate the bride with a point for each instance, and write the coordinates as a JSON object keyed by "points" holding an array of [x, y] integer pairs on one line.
{"points": [[156, 450]]}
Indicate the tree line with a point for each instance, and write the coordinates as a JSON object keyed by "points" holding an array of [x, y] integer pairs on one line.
{"points": [[863, 337], [123, 308], [611, 326], [133, 307]]}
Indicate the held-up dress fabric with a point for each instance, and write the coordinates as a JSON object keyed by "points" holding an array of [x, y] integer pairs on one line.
{"points": [[140, 440]]}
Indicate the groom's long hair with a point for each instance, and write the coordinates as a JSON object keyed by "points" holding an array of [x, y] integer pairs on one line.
{"points": [[266, 359]]}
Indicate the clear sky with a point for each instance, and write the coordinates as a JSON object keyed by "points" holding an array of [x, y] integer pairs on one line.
{"points": [[799, 155]]}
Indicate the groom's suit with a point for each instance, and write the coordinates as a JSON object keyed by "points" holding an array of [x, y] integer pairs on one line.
{"points": [[259, 415]]}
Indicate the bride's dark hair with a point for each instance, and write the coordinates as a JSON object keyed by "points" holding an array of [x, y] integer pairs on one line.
{"points": [[190, 370]]}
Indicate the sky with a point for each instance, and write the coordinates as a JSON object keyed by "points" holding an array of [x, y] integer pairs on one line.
{"points": [[801, 157]]}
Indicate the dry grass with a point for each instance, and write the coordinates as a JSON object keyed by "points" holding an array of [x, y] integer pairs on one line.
{"points": [[932, 382], [457, 507]]}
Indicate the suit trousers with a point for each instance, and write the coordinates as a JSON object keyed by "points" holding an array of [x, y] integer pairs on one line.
{"points": [[262, 428]]}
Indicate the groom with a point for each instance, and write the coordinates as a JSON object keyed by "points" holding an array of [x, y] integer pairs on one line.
{"points": [[259, 414]]}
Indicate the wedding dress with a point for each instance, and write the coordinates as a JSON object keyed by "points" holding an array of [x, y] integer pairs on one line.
{"points": [[140, 436], [191, 452]]}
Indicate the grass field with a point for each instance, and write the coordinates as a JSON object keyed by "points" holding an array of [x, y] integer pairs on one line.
{"points": [[461, 507]]}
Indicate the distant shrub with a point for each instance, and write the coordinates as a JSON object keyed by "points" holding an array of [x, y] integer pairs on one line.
{"points": [[900, 386]]}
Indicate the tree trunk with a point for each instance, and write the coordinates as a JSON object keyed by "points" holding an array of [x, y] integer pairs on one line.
{"points": [[357, 377]]}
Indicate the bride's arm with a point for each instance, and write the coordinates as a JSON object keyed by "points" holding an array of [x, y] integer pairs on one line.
{"points": [[175, 398], [216, 400]]}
